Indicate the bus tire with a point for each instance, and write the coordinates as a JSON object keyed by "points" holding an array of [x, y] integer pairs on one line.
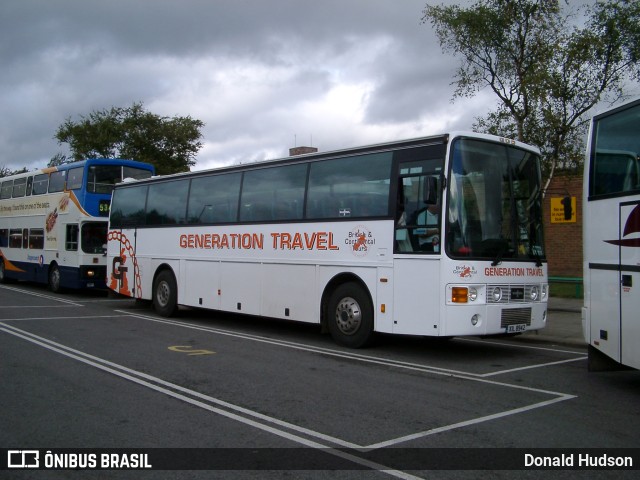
{"points": [[350, 316], [165, 294], [3, 272], [54, 279]]}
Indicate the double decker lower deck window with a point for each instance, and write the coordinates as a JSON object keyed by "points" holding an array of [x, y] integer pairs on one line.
{"points": [[15, 238]]}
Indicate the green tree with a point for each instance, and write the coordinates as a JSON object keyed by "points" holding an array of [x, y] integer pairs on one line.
{"points": [[546, 73], [58, 159], [170, 144], [5, 172]]}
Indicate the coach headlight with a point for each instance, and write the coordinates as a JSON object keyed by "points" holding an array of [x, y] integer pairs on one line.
{"points": [[473, 294], [535, 293], [496, 294]]}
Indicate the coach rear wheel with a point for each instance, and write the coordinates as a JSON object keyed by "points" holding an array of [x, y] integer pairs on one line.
{"points": [[54, 279], [165, 294], [3, 277], [350, 316]]}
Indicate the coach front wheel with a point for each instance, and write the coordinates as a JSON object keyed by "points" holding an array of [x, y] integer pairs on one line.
{"points": [[350, 316], [165, 294]]}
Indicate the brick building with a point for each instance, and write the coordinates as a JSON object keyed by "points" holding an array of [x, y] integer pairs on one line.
{"points": [[563, 241]]}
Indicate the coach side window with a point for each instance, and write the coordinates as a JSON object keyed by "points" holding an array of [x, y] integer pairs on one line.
{"points": [[350, 187], [214, 199], [275, 193], [127, 206], [167, 203]]}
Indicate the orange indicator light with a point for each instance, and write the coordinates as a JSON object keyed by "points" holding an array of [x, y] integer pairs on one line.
{"points": [[459, 295]]}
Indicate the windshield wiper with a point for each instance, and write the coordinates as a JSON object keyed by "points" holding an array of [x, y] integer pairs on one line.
{"points": [[537, 258], [500, 247]]}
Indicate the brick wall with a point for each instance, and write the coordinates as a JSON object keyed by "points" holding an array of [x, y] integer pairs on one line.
{"points": [[563, 241]]}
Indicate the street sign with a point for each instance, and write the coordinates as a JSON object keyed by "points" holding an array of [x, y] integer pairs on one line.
{"points": [[563, 209]]}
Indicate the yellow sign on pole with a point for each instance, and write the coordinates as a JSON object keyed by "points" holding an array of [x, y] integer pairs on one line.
{"points": [[563, 210]]}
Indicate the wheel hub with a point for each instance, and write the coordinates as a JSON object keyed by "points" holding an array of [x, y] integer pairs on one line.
{"points": [[163, 294], [348, 316]]}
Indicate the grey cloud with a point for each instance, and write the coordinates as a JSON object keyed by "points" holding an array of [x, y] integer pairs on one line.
{"points": [[65, 58]]}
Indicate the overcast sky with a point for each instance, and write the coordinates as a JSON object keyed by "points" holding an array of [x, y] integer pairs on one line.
{"points": [[263, 75]]}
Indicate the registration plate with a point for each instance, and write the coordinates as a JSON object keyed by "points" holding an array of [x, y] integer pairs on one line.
{"points": [[516, 328]]}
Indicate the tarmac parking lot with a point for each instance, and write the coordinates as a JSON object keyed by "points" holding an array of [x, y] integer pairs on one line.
{"points": [[87, 371]]}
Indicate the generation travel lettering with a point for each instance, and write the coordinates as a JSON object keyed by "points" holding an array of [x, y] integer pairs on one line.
{"points": [[256, 241]]}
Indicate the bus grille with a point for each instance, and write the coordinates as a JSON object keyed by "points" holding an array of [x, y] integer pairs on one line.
{"points": [[513, 293], [515, 316]]}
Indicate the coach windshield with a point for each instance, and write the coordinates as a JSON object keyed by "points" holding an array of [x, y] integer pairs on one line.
{"points": [[494, 204]]}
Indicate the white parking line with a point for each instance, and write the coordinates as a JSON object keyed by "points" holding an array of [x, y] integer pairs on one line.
{"points": [[29, 307], [529, 367], [473, 421], [40, 295], [357, 356], [66, 317], [519, 345], [105, 300], [260, 421], [186, 395], [558, 396]]}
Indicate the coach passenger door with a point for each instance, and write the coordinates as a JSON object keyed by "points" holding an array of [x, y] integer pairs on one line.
{"points": [[416, 276]]}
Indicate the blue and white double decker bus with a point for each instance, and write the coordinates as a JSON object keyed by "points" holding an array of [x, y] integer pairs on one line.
{"points": [[53, 221]]}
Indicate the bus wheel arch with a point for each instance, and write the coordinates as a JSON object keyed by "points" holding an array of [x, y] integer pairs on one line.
{"points": [[347, 311], [165, 292], [4, 278], [54, 278]]}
